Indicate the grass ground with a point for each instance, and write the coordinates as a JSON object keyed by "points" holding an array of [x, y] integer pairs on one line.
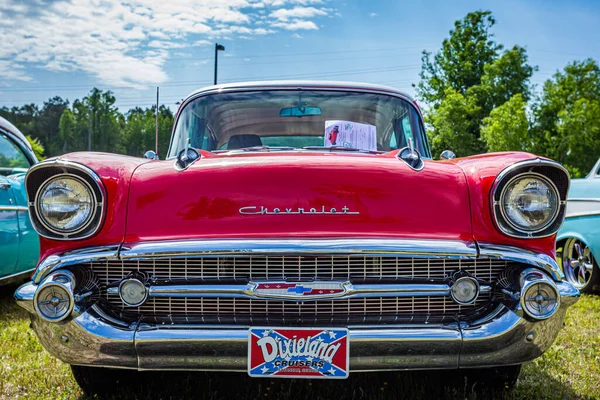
{"points": [[569, 370]]}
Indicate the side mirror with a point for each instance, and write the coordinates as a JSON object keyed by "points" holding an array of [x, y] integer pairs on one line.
{"points": [[447, 155], [151, 155], [186, 157]]}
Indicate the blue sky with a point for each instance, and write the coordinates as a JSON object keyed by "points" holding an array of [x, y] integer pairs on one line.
{"points": [[67, 47]]}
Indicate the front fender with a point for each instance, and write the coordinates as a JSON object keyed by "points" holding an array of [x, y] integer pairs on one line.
{"points": [[586, 229]]}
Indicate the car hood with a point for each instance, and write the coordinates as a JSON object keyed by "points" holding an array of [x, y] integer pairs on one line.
{"points": [[298, 195]]}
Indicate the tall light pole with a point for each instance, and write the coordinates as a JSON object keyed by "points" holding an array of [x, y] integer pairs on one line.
{"points": [[217, 48]]}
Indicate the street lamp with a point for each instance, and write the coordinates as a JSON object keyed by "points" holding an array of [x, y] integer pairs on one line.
{"points": [[217, 48]]}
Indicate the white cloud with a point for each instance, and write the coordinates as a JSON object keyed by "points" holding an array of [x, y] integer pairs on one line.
{"points": [[202, 43], [297, 36], [8, 71], [284, 14], [296, 25], [373, 14], [128, 42]]}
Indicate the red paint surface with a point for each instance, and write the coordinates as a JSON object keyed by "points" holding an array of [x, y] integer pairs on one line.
{"points": [[115, 171], [203, 202], [481, 171]]}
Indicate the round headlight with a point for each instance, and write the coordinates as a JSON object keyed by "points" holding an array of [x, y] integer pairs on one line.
{"points": [[529, 202], [66, 204]]}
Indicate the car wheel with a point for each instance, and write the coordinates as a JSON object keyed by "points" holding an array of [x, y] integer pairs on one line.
{"points": [[579, 266], [101, 381], [492, 379]]}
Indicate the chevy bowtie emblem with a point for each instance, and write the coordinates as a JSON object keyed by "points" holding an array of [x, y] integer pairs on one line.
{"points": [[262, 210], [299, 291]]}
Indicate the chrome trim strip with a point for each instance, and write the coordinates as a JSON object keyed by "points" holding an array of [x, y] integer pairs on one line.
{"points": [[350, 290], [14, 208], [80, 167], [524, 164], [237, 247], [29, 271], [520, 255], [86, 255], [379, 247], [582, 207]]}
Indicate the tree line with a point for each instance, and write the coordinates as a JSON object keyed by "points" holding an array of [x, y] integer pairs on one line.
{"points": [[480, 99], [58, 127], [477, 94]]}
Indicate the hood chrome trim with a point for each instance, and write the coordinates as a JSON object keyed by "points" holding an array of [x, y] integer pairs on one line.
{"points": [[427, 248]]}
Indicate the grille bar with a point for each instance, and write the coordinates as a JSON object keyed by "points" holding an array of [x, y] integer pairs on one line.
{"points": [[328, 312], [282, 267]]}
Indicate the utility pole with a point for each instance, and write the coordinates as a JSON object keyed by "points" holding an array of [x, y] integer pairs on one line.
{"points": [[156, 142], [217, 48], [89, 131]]}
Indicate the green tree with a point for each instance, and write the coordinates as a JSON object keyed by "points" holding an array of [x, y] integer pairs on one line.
{"points": [[47, 124], [460, 63], [507, 127], [104, 120], [66, 131], [568, 117], [140, 130], [38, 148], [450, 124], [470, 64]]}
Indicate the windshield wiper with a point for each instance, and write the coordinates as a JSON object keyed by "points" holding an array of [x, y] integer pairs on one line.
{"points": [[342, 148], [258, 148]]}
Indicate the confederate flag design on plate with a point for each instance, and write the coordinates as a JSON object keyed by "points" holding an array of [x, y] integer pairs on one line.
{"points": [[298, 353]]}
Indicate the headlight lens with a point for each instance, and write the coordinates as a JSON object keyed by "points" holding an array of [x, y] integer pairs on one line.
{"points": [[66, 204], [529, 203]]}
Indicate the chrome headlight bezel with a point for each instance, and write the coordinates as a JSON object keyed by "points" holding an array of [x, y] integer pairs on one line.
{"points": [[502, 201], [552, 174], [43, 174], [43, 219]]}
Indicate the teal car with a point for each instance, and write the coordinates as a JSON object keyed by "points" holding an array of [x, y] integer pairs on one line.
{"points": [[578, 241], [19, 243]]}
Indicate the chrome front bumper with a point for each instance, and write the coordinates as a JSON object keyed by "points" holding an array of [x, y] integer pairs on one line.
{"points": [[95, 339]]}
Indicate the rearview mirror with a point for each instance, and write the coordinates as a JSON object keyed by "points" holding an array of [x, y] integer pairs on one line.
{"points": [[299, 111]]}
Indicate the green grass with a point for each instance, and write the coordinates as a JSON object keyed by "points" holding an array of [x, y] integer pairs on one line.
{"points": [[569, 370]]}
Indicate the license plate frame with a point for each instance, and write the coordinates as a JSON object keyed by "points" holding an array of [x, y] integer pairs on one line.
{"points": [[324, 353]]}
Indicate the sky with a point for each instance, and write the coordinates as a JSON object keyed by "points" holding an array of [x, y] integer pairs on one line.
{"points": [[64, 48]]}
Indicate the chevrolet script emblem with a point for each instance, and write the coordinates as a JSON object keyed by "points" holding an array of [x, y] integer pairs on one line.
{"points": [[262, 210]]}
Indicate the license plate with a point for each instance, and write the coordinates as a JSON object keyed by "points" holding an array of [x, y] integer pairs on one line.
{"points": [[298, 353]]}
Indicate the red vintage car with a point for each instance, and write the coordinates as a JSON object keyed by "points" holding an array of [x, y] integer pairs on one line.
{"points": [[297, 229]]}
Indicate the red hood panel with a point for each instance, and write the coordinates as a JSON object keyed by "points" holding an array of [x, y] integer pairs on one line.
{"points": [[390, 199]]}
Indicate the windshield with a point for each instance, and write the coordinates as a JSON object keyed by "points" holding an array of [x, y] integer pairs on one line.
{"points": [[298, 119]]}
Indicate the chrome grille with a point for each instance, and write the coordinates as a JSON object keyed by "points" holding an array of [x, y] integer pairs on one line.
{"points": [[334, 267], [357, 306], [354, 268]]}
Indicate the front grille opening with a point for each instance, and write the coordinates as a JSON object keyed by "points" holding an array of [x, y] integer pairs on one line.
{"points": [[353, 268]]}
